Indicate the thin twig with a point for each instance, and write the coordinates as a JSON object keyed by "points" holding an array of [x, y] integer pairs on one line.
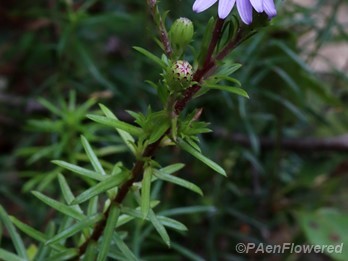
{"points": [[167, 47]]}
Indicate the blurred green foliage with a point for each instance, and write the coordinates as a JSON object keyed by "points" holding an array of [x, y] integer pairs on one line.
{"points": [[51, 50]]}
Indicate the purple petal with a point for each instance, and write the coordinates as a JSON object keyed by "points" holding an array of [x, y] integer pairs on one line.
{"points": [[225, 8], [269, 8], [202, 5], [245, 11], [257, 4]]}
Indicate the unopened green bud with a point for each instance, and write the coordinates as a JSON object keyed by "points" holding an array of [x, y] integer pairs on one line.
{"points": [[181, 32], [179, 75]]}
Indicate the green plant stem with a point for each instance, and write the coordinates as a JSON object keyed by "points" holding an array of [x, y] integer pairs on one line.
{"points": [[180, 104]]}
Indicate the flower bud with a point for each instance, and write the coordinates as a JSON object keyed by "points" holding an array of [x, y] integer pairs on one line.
{"points": [[181, 32], [179, 75]]}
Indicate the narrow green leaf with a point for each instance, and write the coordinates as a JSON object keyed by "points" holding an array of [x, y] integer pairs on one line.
{"points": [[194, 144], [133, 130], [45, 125], [34, 233], [292, 55], [206, 39], [155, 222], [91, 252], [117, 254], [287, 104], [93, 204], [44, 251], [89, 221], [67, 210], [108, 232], [1, 231], [103, 186], [16, 239], [92, 68], [145, 192], [172, 223], [80, 171], [136, 213], [127, 138], [43, 152], [8, 256], [179, 181], [159, 132], [64, 255], [149, 55], [172, 168], [228, 68], [188, 210], [92, 157], [48, 105], [123, 219], [288, 79], [159, 227], [124, 248], [231, 89], [182, 144], [186, 252], [219, 78], [67, 193]]}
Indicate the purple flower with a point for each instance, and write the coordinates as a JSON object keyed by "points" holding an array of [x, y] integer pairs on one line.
{"points": [[245, 8]]}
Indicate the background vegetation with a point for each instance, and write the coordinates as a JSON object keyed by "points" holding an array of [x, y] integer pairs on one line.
{"points": [[285, 149]]}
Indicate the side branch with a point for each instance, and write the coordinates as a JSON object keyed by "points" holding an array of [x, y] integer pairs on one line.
{"points": [[209, 64], [161, 28]]}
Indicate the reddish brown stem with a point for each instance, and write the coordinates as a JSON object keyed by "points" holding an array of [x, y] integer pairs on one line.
{"points": [[161, 28], [210, 64], [136, 176], [214, 41]]}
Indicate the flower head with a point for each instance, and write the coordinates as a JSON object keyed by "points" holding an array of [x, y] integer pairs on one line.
{"points": [[179, 76], [181, 32], [245, 8]]}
